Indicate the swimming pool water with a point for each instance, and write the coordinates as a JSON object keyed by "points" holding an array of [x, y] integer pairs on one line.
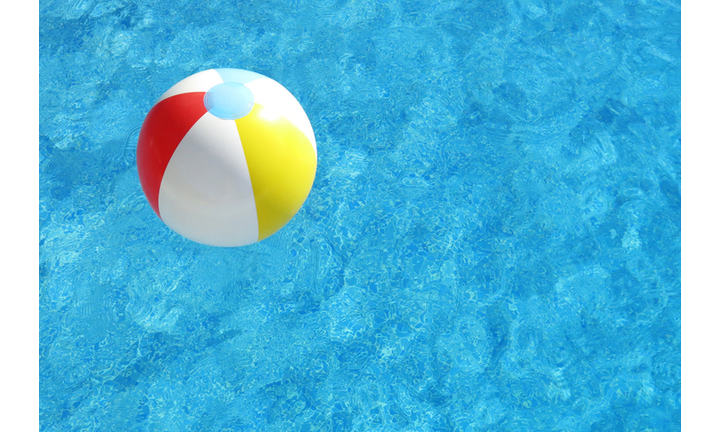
{"points": [[492, 242]]}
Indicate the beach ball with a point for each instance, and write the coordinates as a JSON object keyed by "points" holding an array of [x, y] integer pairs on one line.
{"points": [[226, 157]]}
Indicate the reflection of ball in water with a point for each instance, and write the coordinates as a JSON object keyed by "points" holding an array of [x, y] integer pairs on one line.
{"points": [[226, 157]]}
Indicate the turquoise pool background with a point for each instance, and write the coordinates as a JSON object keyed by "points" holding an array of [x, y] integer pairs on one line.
{"points": [[492, 242]]}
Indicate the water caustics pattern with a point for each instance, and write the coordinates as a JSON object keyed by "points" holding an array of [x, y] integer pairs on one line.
{"points": [[492, 241]]}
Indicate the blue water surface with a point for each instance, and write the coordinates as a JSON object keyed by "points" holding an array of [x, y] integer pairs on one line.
{"points": [[492, 242]]}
